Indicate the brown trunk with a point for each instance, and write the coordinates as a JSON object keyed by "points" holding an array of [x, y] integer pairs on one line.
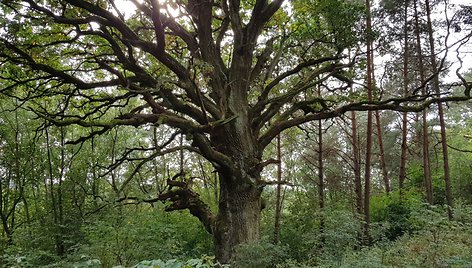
{"points": [[321, 184], [426, 161], [238, 219], [367, 180], [404, 148], [278, 197], [239, 214], [356, 161], [382, 153], [442, 124], [368, 156], [425, 134], [356, 165]]}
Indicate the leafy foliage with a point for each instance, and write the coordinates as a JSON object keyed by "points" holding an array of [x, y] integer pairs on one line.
{"points": [[105, 114], [203, 262]]}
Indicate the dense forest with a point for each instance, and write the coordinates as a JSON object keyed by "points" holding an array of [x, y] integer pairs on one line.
{"points": [[235, 133]]}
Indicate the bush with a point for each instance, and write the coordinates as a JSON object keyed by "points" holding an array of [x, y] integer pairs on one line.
{"points": [[393, 215], [261, 255], [127, 236]]}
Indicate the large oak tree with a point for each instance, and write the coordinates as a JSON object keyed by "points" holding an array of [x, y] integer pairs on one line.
{"points": [[230, 75]]}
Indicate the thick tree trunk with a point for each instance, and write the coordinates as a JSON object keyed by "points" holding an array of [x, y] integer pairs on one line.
{"points": [[239, 209], [238, 219]]}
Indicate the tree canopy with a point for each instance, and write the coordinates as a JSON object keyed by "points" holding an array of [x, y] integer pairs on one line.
{"points": [[229, 75]]}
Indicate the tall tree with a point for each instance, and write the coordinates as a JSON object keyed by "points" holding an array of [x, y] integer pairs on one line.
{"points": [[356, 164], [212, 70], [321, 179], [368, 154], [442, 124], [12, 178], [404, 128], [425, 130], [383, 165]]}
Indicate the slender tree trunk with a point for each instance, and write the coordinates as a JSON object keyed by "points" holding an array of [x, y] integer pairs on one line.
{"points": [[26, 209], [215, 191], [60, 203], [403, 155], [356, 165], [425, 134], [404, 148], [181, 155], [442, 124], [51, 190], [367, 178], [4, 214], [205, 177], [7, 230], [370, 87], [321, 182], [157, 164], [356, 162], [383, 165], [114, 184], [95, 192], [278, 196]]}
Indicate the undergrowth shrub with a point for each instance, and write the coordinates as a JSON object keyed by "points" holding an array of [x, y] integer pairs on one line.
{"points": [[262, 255]]}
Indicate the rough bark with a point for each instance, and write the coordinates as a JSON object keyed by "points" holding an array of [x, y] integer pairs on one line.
{"points": [[239, 211], [238, 219], [239, 208], [225, 99]]}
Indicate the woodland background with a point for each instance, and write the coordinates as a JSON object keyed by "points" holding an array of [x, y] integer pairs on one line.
{"points": [[66, 201]]}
